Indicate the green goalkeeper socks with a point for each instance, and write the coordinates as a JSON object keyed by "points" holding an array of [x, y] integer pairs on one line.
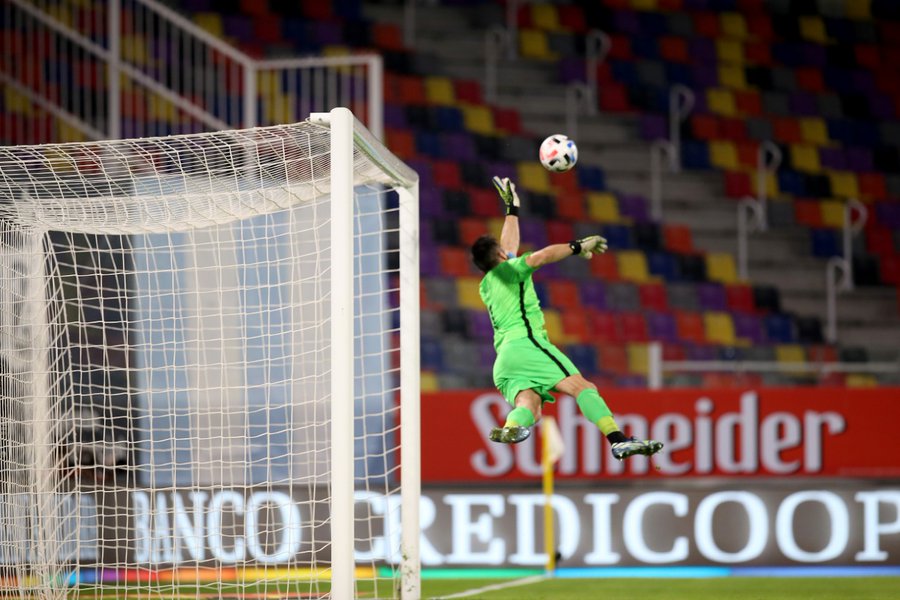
{"points": [[519, 417], [594, 408]]}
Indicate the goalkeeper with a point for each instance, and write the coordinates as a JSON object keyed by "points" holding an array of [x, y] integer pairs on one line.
{"points": [[528, 366]]}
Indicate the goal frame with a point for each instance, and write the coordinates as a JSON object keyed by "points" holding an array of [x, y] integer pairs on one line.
{"points": [[348, 133]]}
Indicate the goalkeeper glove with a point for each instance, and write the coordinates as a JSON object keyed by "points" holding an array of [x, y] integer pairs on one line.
{"points": [[588, 246], [507, 191]]}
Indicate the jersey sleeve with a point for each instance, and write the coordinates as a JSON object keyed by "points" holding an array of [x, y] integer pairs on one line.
{"points": [[515, 269]]}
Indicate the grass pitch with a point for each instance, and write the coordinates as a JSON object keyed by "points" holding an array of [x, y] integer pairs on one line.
{"points": [[727, 588]]}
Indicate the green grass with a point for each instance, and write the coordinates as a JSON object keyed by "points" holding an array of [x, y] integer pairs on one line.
{"points": [[728, 588]]}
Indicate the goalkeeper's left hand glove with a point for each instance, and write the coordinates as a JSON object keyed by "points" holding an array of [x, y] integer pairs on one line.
{"points": [[588, 246], [507, 191]]}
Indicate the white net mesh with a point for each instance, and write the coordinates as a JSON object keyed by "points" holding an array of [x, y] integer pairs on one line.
{"points": [[165, 364]]}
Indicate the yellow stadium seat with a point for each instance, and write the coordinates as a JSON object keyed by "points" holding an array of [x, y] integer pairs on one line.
{"points": [[805, 158], [545, 16], [790, 353], [61, 13], [67, 133], [733, 25], [161, 109], [720, 267], [730, 51], [721, 102], [533, 44], [832, 212], [633, 266], [603, 207], [467, 293], [134, 49], [532, 176], [858, 380], [495, 226], [844, 184], [553, 324], [211, 22], [17, 103], [719, 328], [771, 185], [814, 130], [428, 381], [813, 29], [439, 90], [478, 119], [859, 9], [732, 77], [638, 364], [723, 155], [645, 5]]}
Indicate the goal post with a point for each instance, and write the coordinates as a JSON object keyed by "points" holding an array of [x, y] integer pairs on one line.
{"points": [[209, 364]]}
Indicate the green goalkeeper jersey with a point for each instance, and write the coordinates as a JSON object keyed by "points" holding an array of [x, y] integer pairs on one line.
{"points": [[508, 292]]}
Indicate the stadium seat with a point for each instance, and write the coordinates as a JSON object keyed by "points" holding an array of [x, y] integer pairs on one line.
{"points": [[602, 326], [632, 266], [564, 295], [719, 328], [720, 267], [467, 295], [584, 356], [653, 296], [593, 294], [690, 327], [632, 327], [661, 327], [613, 360], [638, 362]]}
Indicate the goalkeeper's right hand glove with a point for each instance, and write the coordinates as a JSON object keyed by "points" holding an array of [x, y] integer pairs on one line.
{"points": [[507, 191], [588, 246]]}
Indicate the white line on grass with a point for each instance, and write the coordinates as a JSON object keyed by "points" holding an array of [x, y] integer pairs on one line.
{"points": [[495, 587]]}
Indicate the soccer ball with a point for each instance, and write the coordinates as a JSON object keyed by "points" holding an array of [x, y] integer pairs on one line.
{"points": [[558, 153]]}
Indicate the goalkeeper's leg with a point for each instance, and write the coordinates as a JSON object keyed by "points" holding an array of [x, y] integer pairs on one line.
{"points": [[518, 423], [597, 412]]}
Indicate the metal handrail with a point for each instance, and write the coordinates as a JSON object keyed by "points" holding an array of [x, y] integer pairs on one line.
{"points": [[495, 39], [839, 269], [751, 217], [656, 366], [597, 45], [681, 103], [659, 150]]}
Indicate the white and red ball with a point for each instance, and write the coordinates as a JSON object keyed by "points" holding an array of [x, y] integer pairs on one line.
{"points": [[558, 153]]}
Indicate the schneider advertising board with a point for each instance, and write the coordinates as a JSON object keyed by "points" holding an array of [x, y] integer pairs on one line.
{"points": [[768, 477]]}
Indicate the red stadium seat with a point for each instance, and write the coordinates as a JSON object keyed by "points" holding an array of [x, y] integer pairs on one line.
{"points": [[633, 327], [653, 297], [602, 326], [564, 295], [470, 229], [690, 327]]}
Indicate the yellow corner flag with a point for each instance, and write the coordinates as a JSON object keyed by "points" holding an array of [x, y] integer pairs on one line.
{"points": [[552, 448]]}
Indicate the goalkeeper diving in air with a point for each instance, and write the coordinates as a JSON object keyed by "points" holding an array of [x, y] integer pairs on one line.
{"points": [[528, 365]]}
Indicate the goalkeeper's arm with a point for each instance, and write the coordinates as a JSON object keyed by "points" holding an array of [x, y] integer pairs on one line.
{"points": [[509, 235], [585, 247]]}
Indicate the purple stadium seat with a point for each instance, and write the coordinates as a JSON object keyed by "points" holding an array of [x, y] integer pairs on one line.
{"points": [[803, 103], [533, 232], [662, 327], [593, 294], [711, 296], [694, 352], [653, 127], [479, 325], [626, 21], [394, 115], [634, 206], [832, 158], [502, 169], [748, 327], [459, 146], [889, 214], [705, 76], [859, 159]]}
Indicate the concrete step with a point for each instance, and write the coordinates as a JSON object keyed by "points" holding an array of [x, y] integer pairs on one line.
{"points": [[679, 189], [861, 306], [597, 130], [761, 246]]}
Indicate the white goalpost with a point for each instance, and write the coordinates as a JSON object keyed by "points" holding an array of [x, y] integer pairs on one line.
{"points": [[209, 365]]}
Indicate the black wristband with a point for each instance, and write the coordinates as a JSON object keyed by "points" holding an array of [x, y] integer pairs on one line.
{"points": [[575, 245], [512, 210]]}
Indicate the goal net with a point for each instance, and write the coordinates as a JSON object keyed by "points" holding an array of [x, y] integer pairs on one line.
{"points": [[208, 349]]}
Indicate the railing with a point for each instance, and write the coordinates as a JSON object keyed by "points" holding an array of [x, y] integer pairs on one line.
{"points": [[752, 213], [160, 73], [681, 102], [657, 367], [839, 269]]}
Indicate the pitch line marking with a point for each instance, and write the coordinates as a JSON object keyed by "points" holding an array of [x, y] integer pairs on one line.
{"points": [[496, 586]]}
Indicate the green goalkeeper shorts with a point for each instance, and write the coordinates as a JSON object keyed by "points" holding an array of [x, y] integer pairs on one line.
{"points": [[530, 363]]}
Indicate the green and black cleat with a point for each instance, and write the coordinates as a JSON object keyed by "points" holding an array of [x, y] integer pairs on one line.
{"points": [[509, 435]]}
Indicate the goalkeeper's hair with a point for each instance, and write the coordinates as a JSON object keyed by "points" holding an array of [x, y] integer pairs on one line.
{"points": [[484, 253]]}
